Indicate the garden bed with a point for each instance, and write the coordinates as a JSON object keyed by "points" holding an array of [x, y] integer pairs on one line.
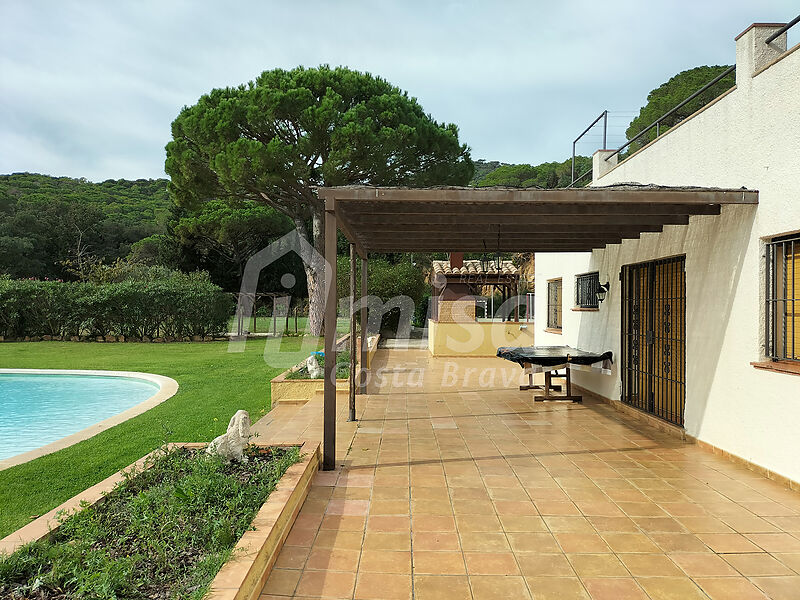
{"points": [[176, 524], [342, 367], [294, 386]]}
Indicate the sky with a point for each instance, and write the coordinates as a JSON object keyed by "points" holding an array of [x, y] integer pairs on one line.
{"points": [[89, 88]]}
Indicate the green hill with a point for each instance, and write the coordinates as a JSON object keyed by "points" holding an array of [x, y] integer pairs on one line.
{"points": [[47, 223], [142, 200], [483, 168], [545, 175]]}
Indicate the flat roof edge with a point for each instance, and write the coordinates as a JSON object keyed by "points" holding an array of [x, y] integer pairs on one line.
{"points": [[625, 191]]}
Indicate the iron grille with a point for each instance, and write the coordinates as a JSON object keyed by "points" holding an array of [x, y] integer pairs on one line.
{"points": [[654, 337], [586, 287], [783, 299], [554, 304]]}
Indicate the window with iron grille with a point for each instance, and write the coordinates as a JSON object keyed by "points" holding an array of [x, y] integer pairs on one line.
{"points": [[783, 298], [554, 304], [586, 286]]}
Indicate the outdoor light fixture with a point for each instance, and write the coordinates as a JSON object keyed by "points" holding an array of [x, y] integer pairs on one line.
{"points": [[497, 256], [601, 292], [484, 259]]}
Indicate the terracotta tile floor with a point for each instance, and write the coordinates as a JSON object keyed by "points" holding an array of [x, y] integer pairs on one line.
{"points": [[456, 485]]}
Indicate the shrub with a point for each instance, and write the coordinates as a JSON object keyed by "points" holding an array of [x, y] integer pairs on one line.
{"points": [[386, 280], [421, 311], [176, 305]]}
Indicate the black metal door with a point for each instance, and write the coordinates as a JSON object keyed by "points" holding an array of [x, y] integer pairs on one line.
{"points": [[654, 337]]}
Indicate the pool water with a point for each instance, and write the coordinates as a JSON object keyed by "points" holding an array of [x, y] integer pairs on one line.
{"points": [[37, 409]]}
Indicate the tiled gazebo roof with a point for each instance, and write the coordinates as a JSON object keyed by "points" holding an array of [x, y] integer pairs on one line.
{"points": [[473, 267]]}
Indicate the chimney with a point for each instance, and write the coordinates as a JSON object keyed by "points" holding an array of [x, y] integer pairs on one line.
{"points": [[752, 51], [456, 260]]}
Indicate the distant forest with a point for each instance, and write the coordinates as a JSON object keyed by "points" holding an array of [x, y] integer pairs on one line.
{"points": [[50, 226]]}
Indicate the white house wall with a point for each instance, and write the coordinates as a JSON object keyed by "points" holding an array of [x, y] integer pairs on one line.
{"points": [[748, 138]]}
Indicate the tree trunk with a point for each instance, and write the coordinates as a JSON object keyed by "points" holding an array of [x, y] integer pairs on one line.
{"points": [[315, 277]]}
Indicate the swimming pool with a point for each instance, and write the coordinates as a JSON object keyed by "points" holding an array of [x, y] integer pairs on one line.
{"points": [[37, 409]]}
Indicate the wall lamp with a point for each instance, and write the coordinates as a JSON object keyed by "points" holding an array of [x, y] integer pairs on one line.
{"points": [[484, 259], [601, 292]]}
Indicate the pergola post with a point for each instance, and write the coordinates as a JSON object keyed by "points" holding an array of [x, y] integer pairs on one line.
{"points": [[362, 379], [353, 348], [329, 385]]}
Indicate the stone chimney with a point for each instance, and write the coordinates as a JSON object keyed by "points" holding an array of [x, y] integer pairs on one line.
{"points": [[752, 51], [601, 166], [456, 260]]}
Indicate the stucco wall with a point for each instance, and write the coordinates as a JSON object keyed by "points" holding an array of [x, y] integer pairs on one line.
{"points": [[751, 138], [479, 338]]}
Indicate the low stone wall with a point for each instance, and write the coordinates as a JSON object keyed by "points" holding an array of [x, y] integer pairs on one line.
{"points": [[300, 391], [478, 338], [371, 350]]}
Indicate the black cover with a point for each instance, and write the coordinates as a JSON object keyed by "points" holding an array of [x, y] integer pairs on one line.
{"points": [[550, 356]]}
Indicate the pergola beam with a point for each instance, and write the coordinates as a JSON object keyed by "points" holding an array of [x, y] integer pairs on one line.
{"points": [[374, 222], [357, 210], [605, 195], [491, 244], [534, 236], [348, 232], [467, 247], [517, 228]]}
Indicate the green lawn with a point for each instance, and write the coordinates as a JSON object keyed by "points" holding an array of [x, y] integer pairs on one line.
{"points": [[213, 385]]}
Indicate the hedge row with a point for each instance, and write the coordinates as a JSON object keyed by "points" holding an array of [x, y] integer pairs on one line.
{"points": [[180, 307]]}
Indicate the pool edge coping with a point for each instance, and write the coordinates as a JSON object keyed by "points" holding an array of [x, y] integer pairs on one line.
{"points": [[167, 387]]}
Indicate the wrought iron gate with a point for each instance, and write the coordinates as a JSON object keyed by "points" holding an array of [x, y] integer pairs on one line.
{"points": [[654, 337]]}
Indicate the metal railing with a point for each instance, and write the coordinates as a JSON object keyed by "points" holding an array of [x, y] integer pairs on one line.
{"points": [[672, 111], [657, 123], [783, 30], [603, 115]]}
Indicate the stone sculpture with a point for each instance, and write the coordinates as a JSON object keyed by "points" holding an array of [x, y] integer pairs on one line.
{"points": [[230, 445], [314, 370]]}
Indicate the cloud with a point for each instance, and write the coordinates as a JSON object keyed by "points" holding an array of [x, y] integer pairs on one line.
{"points": [[89, 89]]}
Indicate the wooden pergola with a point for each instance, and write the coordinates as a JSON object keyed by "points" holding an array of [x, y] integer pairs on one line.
{"points": [[465, 219]]}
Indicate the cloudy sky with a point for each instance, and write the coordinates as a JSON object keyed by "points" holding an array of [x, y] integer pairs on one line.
{"points": [[89, 89]]}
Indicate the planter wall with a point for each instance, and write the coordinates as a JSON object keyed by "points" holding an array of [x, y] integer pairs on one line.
{"points": [[300, 391], [244, 575]]}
